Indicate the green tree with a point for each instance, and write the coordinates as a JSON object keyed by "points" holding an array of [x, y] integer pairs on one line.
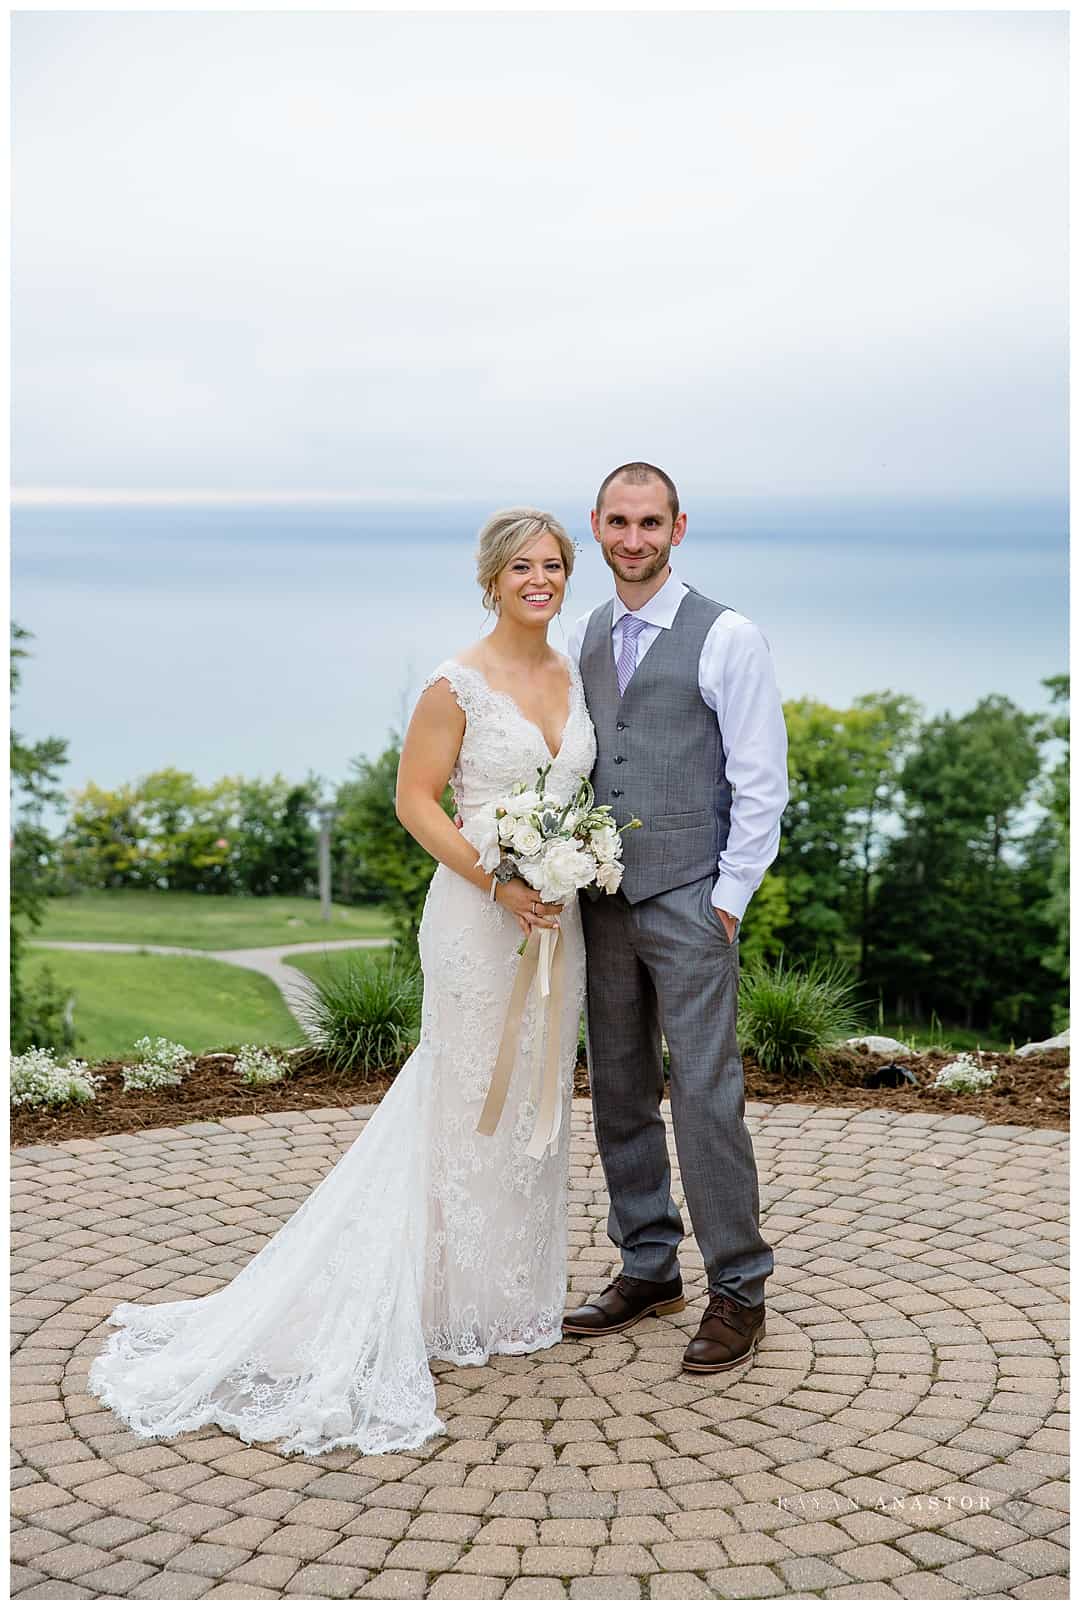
{"points": [[882, 730], [766, 916], [843, 773], [36, 1014], [271, 837], [949, 904], [1054, 796], [816, 856], [387, 858], [166, 831]]}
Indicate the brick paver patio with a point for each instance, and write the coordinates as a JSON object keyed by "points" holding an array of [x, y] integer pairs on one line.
{"points": [[901, 1433]]}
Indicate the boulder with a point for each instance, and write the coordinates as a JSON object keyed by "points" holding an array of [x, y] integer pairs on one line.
{"points": [[879, 1042], [1060, 1042]]}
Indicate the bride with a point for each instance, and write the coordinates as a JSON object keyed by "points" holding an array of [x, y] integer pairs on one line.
{"points": [[427, 1239]]}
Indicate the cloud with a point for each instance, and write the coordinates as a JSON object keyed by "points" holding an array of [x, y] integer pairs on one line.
{"points": [[466, 253]]}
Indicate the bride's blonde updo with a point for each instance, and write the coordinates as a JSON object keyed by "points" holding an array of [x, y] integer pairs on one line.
{"points": [[505, 534]]}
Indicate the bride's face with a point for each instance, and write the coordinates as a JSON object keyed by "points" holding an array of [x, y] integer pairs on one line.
{"points": [[532, 586]]}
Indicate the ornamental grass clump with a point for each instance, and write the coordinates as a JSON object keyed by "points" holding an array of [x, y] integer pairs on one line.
{"points": [[964, 1076], [38, 1080], [160, 1064], [364, 1017], [789, 1017], [257, 1066]]}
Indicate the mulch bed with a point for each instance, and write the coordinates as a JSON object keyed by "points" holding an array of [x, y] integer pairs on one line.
{"points": [[1027, 1091]]}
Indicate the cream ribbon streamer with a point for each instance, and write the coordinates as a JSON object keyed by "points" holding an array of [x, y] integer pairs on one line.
{"points": [[542, 957]]}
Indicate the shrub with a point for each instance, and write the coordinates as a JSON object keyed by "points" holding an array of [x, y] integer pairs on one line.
{"points": [[964, 1076], [365, 1015], [257, 1066], [40, 1009], [160, 1065], [788, 1017], [38, 1080]]}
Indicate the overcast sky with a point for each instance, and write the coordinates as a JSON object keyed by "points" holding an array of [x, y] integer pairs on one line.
{"points": [[490, 255]]}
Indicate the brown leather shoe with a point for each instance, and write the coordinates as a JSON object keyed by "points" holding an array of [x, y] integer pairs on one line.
{"points": [[727, 1336], [622, 1304]]}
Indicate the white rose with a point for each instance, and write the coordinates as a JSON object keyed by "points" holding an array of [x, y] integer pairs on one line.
{"points": [[562, 869], [609, 876], [525, 839]]}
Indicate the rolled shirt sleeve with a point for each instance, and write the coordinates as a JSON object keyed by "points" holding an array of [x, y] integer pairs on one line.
{"points": [[737, 679]]}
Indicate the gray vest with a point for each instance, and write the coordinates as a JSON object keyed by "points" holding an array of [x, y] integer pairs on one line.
{"points": [[659, 754]]}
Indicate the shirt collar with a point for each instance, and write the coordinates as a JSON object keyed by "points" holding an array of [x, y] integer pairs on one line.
{"points": [[661, 608]]}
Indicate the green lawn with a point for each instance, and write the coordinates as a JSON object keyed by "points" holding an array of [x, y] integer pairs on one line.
{"points": [[317, 965], [922, 1036], [206, 1005], [203, 921]]}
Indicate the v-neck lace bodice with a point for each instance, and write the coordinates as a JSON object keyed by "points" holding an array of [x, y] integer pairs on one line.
{"points": [[502, 746]]}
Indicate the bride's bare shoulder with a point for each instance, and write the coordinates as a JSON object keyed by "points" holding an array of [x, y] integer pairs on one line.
{"points": [[473, 657]]}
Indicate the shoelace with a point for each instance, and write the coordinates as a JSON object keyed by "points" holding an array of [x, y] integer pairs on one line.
{"points": [[725, 1308], [624, 1284]]}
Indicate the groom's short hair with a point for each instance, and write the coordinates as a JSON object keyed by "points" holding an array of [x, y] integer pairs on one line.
{"points": [[639, 473]]}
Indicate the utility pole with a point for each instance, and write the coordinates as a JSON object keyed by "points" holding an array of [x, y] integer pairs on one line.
{"points": [[326, 814]]}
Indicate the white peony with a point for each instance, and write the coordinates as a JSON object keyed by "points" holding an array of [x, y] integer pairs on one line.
{"points": [[526, 839], [563, 869], [609, 876]]}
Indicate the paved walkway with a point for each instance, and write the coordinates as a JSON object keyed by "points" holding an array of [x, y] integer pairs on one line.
{"points": [[266, 959], [901, 1433]]}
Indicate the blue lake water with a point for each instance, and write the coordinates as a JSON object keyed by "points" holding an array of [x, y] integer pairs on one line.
{"points": [[261, 639]]}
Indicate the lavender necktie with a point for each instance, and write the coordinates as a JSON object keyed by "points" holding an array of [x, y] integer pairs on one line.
{"points": [[632, 629]]}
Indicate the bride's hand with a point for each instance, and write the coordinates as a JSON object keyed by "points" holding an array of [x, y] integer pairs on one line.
{"points": [[531, 912]]}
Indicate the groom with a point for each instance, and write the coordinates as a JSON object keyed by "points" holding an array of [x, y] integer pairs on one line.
{"points": [[690, 738]]}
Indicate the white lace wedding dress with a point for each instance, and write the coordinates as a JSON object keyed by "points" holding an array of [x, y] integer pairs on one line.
{"points": [[426, 1240]]}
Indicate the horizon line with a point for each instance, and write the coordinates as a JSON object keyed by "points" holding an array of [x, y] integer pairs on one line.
{"points": [[38, 496], [208, 497]]}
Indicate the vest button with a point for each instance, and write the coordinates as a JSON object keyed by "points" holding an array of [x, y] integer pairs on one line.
{"points": [[616, 793], [618, 759], [620, 726]]}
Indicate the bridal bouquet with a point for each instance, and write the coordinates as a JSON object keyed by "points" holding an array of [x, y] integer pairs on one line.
{"points": [[558, 847]]}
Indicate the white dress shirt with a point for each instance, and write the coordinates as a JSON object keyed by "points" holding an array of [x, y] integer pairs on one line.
{"points": [[737, 680]]}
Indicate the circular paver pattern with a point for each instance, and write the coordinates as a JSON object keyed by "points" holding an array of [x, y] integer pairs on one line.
{"points": [[901, 1432]]}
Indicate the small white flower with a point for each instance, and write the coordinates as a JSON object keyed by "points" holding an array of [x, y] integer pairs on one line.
{"points": [[159, 1065], [605, 844], [38, 1080], [257, 1066], [609, 876], [964, 1075]]}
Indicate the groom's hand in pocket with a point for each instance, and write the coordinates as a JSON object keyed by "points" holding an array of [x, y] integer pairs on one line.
{"points": [[730, 923]]}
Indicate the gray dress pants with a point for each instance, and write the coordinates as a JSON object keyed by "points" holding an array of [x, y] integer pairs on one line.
{"points": [[665, 965]]}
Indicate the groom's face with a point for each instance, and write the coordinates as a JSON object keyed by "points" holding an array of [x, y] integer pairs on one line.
{"points": [[635, 529]]}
